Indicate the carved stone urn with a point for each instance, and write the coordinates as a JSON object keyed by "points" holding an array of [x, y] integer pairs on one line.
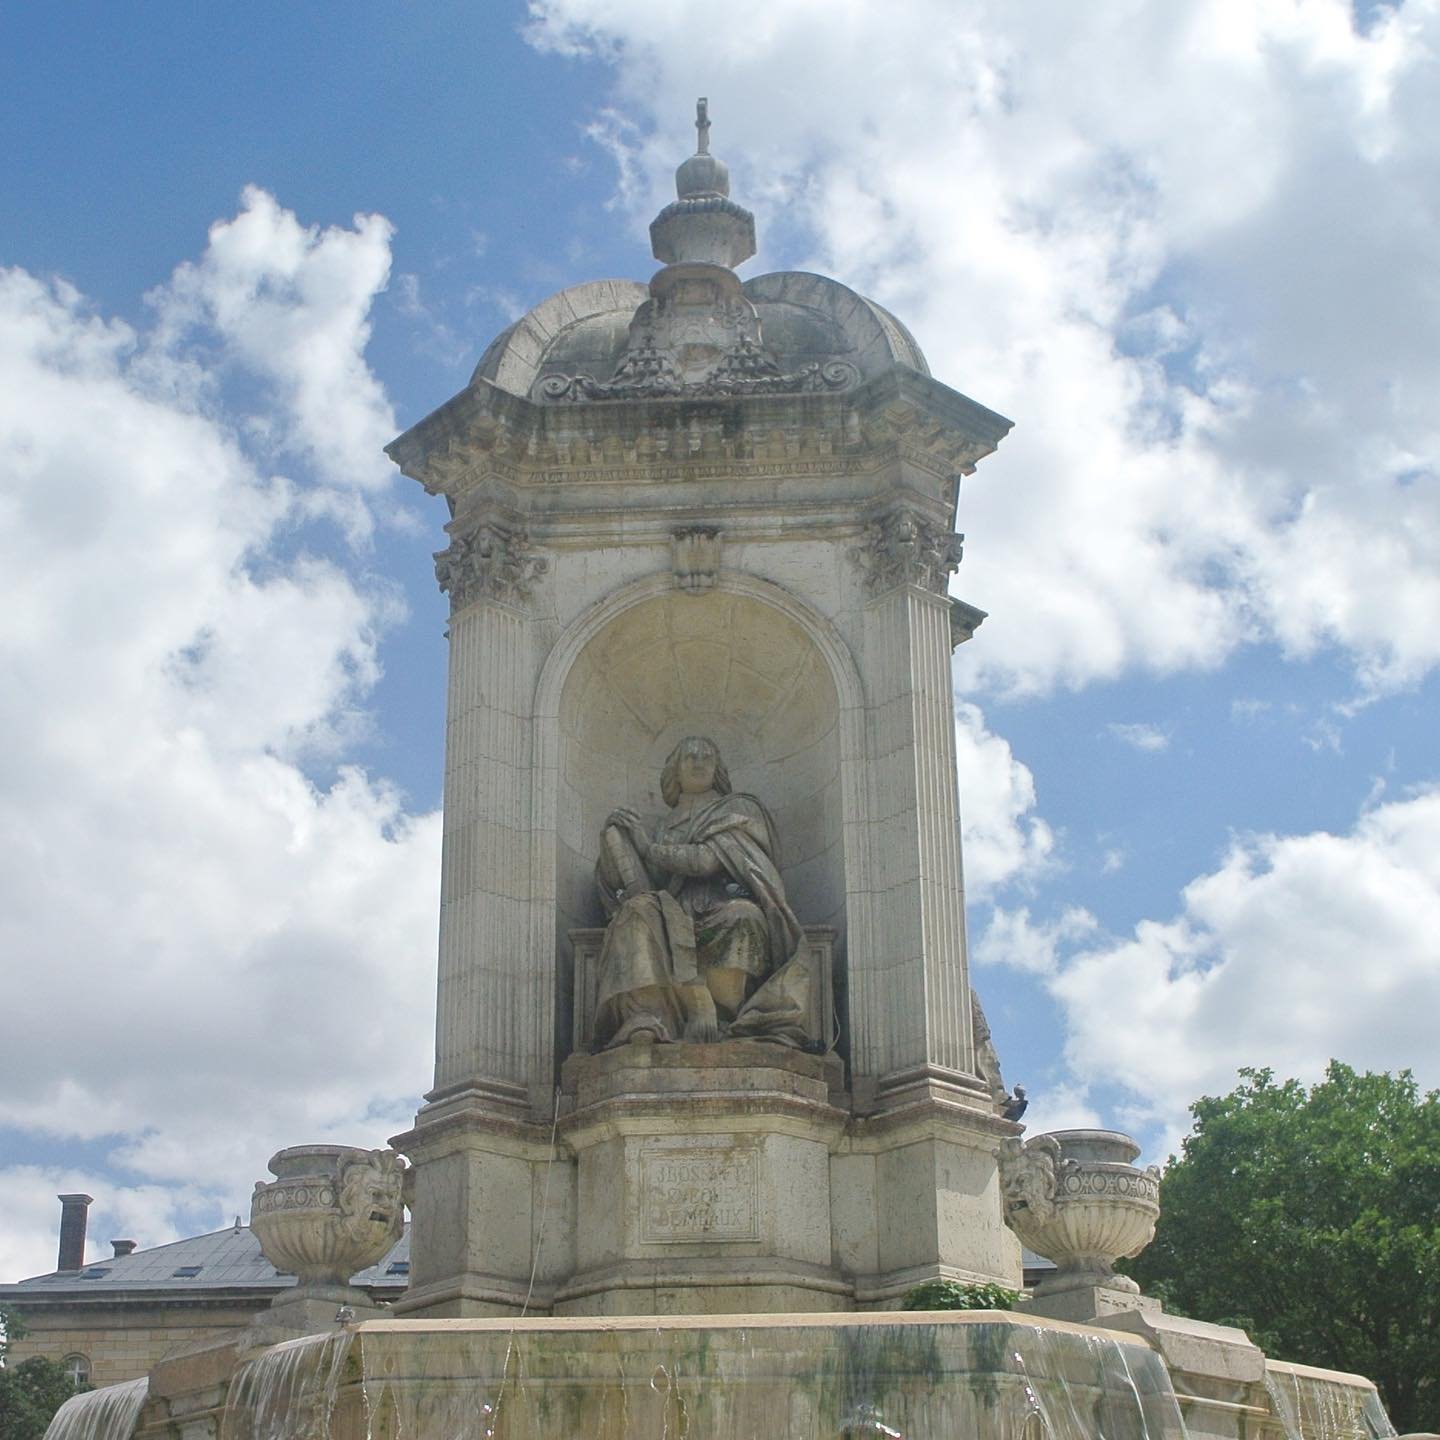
{"points": [[330, 1211], [1074, 1197]]}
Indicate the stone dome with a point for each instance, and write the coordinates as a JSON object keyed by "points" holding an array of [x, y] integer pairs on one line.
{"points": [[696, 331], [804, 319]]}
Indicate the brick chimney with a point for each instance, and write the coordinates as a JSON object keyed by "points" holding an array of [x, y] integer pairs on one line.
{"points": [[74, 1215], [123, 1247]]}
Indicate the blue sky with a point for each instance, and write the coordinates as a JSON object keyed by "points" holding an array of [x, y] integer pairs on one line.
{"points": [[1190, 252]]}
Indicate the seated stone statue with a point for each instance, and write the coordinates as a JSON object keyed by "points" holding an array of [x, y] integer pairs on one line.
{"points": [[700, 943]]}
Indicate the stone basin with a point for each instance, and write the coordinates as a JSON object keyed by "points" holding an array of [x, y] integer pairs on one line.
{"points": [[981, 1373]]}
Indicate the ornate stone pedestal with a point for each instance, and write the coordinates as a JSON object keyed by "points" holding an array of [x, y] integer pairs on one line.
{"points": [[703, 1179], [734, 1177], [691, 1158]]}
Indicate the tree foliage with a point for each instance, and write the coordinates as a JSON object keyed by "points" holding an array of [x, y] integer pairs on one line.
{"points": [[1311, 1218], [30, 1392], [953, 1295]]}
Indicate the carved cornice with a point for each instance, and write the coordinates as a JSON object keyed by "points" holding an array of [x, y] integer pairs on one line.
{"points": [[965, 620], [494, 560], [486, 430], [902, 547]]}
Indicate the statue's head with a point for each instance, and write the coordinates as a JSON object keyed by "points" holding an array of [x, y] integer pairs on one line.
{"points": [[693, 767]]}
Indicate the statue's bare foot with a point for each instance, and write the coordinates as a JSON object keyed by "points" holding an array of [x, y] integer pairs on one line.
{"points": [[702, 1024], [640, 1030]]}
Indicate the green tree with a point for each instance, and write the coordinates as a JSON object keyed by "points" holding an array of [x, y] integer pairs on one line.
{"points": [[30, 1392], [1311, 1218]]}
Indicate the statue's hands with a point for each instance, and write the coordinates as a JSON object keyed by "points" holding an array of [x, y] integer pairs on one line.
{"points": [[633, 826]]}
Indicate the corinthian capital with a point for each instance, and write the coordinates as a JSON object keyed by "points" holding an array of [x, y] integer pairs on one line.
{"points": [[493, 560], [903, 548]]}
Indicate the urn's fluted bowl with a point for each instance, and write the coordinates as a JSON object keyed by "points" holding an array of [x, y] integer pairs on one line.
{"points": [[1074, 1197], [330, 1211]]}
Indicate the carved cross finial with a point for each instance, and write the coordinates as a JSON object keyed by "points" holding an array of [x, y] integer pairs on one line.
{"points": [[702, 125]]}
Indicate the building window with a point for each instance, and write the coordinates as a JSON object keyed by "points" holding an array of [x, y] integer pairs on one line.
{"points": [[77, 1367]]}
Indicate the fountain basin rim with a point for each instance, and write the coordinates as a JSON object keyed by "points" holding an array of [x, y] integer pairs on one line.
{"points": [[802, 1320], [1315, 1372]]}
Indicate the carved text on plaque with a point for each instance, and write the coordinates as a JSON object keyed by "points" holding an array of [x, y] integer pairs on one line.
{"points": [[695, 1195]]}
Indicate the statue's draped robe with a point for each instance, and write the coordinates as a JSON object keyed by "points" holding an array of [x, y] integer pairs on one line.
{"points": [[717, 900]]}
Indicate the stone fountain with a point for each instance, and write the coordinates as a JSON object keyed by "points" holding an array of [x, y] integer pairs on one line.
{"points": [[712, 1092]]}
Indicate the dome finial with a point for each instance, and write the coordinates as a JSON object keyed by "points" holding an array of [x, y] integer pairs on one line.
{"points": [[702, 173], [702, 126], [703, 225]]}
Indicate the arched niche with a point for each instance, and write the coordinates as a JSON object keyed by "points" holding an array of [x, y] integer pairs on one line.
{"points": [[724, 663]]}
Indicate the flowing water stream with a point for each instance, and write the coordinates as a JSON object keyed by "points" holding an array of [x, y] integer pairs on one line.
{"points": [[109, 1413], [1312, 1406]]}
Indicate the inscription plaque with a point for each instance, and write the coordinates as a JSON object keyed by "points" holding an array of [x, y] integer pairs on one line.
{"points": [[700, 1195]]}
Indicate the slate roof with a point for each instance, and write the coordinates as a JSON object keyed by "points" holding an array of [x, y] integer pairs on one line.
{"points": [[227, 1260]]}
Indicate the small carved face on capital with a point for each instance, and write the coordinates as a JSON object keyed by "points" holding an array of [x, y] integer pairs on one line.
{"points": [[905, 529]]}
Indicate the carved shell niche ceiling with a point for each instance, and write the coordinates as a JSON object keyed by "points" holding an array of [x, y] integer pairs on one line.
{"points": [[718, 664]]}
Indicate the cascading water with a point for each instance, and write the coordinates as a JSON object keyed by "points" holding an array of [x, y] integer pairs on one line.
{"points": [[109, 1413], [985, 1375], [289, 1392], [1312, 1405]]}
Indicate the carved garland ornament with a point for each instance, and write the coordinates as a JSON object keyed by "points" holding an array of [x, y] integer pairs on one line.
{"points": [[903, 548], [648, 373], [492, 561]]}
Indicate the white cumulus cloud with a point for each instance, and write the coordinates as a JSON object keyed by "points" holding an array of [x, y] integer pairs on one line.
{"points": [[1139, 736], [290, 305], [212, 947], [1185, 247], [1004, 841], [1296, 949]]}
